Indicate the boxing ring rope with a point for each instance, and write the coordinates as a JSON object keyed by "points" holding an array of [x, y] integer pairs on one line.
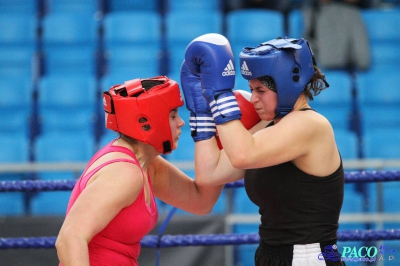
{"points": [[152, 241], [164, 241], [63, 185]]}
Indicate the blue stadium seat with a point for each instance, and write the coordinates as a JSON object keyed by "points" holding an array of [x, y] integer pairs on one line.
{"points": [[70, 43], [63, 148], [67, 147], [20, 29], [382, 143], [379, 85], [380, 116], [132, 5], [63, 119], [67, 103], [335, 102], [352, 202], [193, 6], [26, 7], [14, 149], [295, 24], [50, 203], [15, 123], [59, 148], [338, 117], [12, 204], [17, 44], [382, 24], [383, 30], [132, 43], [87, 6], [383, 53], [17, 62], [390, 191], [379, 98], [131, 27], [15, 105], [134, 62], [182, 28], [347, 143], [17, 92], [265, 25], [339, 90]]}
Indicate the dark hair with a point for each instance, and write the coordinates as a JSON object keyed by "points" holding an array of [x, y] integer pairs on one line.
{"points": [[317, 84], [268, 82]]}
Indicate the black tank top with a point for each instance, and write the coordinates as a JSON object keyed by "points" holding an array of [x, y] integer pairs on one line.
{"points": [[295, 207]]}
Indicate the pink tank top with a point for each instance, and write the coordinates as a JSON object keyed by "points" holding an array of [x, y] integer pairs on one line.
{"points": [[119, 242]]}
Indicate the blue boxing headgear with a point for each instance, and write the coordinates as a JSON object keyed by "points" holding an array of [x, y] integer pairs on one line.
{"points": [[289, 62]]}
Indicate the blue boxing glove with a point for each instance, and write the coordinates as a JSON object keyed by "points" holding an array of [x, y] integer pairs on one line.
{"points": [[202, 124], [210, 57]]}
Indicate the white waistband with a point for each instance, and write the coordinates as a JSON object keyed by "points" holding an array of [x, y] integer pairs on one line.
{"points": [[303, 251]]}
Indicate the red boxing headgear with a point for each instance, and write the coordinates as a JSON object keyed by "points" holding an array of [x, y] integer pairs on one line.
{"points": [[140, 109]]}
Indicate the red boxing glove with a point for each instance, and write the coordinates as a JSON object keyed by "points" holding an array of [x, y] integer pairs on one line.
{"points": [[249, 115]]}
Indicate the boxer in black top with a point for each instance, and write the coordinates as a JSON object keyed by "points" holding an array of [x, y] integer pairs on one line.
{"points": [[292, 167]]}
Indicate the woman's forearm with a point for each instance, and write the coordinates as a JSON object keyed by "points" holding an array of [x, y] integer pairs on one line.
{"points": [[212, 166], [206, 161], [207, 197]]}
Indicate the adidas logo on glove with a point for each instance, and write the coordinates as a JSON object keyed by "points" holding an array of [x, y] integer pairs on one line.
{"points": [[245, 70], [229, 69]]}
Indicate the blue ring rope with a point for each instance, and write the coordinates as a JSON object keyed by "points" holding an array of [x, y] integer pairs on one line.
{"points": [[163, 241], [63, 185], [153, 241]]}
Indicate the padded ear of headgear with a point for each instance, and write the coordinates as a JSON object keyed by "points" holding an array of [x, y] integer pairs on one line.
{"points": [[289, 62], [142, 112]]}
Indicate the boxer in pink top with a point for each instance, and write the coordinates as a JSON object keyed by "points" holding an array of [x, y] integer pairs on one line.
{"points": [[112, 205]]}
